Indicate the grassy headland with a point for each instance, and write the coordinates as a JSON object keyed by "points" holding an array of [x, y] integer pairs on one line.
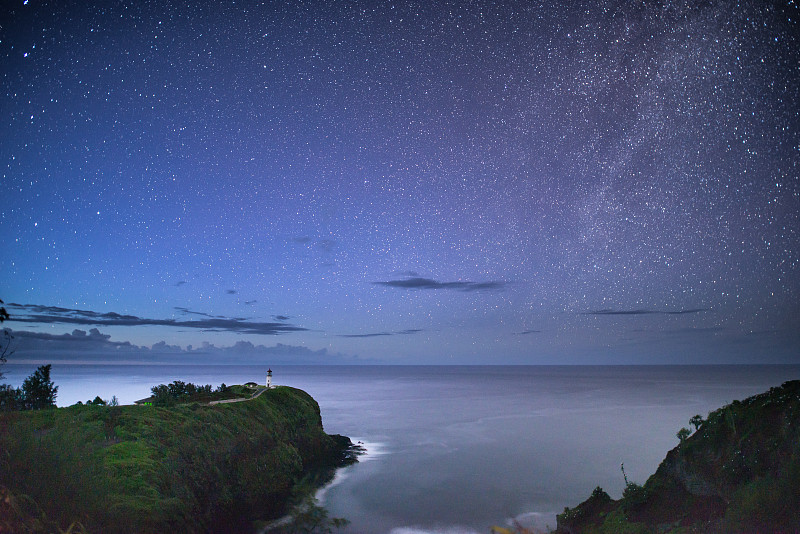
{"points": [[190, 467], [738, 473]]}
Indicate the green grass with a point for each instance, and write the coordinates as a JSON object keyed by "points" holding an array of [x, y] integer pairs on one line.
{"points": [[738, 472], [149, 469]]}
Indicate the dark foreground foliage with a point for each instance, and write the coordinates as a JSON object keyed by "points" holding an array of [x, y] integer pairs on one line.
{"points": [[184, 468], [37, 392], [738, 473]]}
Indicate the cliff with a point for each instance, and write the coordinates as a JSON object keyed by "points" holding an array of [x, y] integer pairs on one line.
{"points": [[185, 468], [738, 472]]}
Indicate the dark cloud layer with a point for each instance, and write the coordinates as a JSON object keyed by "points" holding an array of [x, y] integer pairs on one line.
{"points": [[428, 283], [95, 345], [77, 336], [187, 311], [406, 332], [34, 313]]}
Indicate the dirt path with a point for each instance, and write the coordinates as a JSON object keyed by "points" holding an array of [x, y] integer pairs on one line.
{"points": [[251, 397]]}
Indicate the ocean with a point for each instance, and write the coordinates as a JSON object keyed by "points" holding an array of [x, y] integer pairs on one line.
{"points": [[458, 449]]}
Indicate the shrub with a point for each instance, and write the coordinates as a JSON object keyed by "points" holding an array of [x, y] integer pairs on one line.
{"points": [[633, 496]]}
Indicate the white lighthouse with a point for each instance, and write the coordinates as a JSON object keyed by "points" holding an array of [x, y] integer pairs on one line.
{"points": [[269, 378]]}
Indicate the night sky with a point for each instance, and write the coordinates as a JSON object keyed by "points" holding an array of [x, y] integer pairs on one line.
{"points": [[402, 182]]}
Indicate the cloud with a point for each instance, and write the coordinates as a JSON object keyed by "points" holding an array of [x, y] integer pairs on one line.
{"points": [[406, 332], [427, 283], [80, 336], [377, 334], [526, 332], [34, 313], [645, 312], [179, 284], [98, 347], [78, 340], [325, 244], [322, 249], [230, 291], [250, 302], [281, 317], [187, 311], [409, 331]]}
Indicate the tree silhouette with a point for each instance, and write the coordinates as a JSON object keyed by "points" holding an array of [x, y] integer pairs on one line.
{"points": [[38, 390], [696, 420], [5, 344]]}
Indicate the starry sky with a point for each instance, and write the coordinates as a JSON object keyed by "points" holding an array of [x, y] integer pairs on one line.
{"points": [[402, 182]]}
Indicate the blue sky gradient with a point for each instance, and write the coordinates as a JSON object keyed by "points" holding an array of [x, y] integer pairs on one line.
{"points": [[403, 182]]}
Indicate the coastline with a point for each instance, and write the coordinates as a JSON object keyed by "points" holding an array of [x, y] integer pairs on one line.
{"points": [[149, 469]]}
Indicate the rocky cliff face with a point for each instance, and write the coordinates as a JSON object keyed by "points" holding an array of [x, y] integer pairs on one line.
{"points": [[738, 472]]}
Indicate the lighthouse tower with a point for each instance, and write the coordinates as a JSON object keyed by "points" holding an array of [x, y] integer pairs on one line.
{"points": [[269, 378]]}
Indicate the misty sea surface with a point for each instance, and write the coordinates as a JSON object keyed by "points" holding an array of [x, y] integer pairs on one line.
{"points": [[457, 449]]}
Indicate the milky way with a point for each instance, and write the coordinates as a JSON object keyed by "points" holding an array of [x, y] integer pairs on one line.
{"points": [[619, 180]]}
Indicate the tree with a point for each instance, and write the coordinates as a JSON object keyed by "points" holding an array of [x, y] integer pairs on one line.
{"points": [[10, 398], [696, 421], [38, 390], [161, 395], [5, 344], [683, 433]]}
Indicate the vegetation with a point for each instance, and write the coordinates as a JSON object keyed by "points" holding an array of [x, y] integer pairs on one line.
{"points": [[738, 473], [37, 392], [5, 350], [5, 344], [696, 421], [179, 391], [187, 467], [97, 401]]}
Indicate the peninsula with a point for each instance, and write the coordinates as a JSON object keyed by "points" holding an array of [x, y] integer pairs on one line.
{"points": [[188, 467]]}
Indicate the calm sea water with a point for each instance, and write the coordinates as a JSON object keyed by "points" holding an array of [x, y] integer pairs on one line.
{"points": [[459, 449]]}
